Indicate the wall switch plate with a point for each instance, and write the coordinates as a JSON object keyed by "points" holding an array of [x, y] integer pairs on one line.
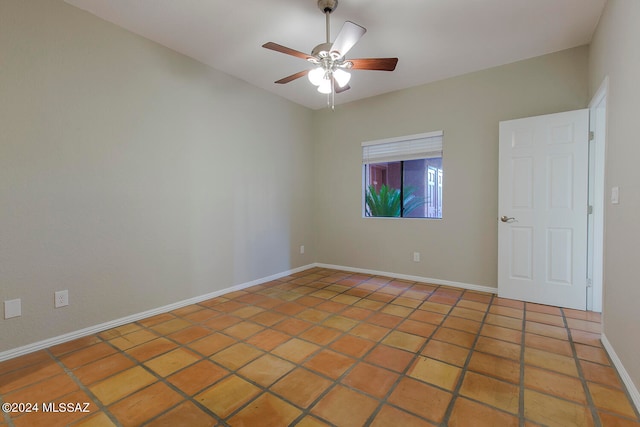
{"points": [[12, 308], [301, 249], [416, 256], [61, 299], [615, 195]]}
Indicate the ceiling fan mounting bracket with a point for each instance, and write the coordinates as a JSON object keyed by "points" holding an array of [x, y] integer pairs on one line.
{"points": [[327, 6]]}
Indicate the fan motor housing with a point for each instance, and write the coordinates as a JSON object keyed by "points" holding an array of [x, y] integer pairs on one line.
{"points": [[321, 50], [327, 5]]}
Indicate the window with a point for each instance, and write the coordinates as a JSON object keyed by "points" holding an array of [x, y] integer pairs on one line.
{"points": [[402, 177]]}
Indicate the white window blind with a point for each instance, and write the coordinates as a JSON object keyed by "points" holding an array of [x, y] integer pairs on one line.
{"points": [[412, 147]]}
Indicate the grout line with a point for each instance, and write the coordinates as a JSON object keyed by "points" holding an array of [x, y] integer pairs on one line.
{"points": [[590, 403], [84, 388], [281, 289], [465, 367], [523, 347]]}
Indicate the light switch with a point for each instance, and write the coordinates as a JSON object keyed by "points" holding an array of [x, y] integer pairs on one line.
{"points": [[615, 195], [12, 308]]}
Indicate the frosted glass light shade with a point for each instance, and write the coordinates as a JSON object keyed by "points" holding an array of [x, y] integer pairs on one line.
{"points": [[342, 77], [325, 86], [316, 76]]}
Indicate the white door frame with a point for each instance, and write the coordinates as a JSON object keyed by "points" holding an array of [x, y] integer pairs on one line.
{"points": [[597, 154]]}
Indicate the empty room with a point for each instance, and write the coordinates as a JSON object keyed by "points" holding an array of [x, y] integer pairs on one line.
{"points": [[319, 213]]}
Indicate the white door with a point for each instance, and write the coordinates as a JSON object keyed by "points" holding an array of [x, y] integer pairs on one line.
{"points": [[542, 231]]}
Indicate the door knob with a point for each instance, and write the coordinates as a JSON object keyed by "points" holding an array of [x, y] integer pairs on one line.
{"points": [[505, 218]]}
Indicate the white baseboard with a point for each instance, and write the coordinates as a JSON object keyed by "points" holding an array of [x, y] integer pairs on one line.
{"points": [[30, 348], [469, 286], [624, 375]]}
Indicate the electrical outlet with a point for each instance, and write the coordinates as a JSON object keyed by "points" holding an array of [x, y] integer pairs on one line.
{"points": [[61, 298], [416, 256], [301, 249], [12, 308]]}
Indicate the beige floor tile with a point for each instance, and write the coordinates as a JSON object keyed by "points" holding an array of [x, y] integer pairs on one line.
{"points": [[352, 346], [29, 374], [339, 322], [553, 383], [553, 412], [133, 339], [404, 341], [99, 419], [467, 313], [368, 331], [611, 399], [295, 350], [243, 330], [390, 358], [498, 348], [301, 386], [420, 399], [122, 384], [345, 407], [600, 374], [500, 333], [453, 336], [197, 377], [546, 330], [467, 413], [462, 324], [185, 414], [329, 363], [435, 372], [266, 410], [390, 416], [173, 325], [491, 391], [151, 349], [266, 370], [145, 404], [103, 368], [370, 379], [496, 367], [549, 344], [592, 354], [552, 361], [227, 395], [172, 361], [236, 356]]}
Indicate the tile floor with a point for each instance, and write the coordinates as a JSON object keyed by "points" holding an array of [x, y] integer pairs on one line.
{"points": [[325, 347]]}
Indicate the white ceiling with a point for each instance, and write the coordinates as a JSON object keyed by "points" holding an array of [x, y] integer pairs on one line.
{"points": [[433, 39]]}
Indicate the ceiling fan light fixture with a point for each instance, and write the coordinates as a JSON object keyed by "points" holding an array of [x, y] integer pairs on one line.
{"points": [[325, 87], [342, 77], [329, 73], [316, 76]]}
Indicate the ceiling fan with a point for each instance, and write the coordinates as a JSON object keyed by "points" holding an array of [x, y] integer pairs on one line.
{"points": [[330, 73]]}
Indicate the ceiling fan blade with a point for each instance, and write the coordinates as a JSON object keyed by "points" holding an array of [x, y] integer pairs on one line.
{"points": [[283, 49], [292, 77], [347, 38], [379, 64]]}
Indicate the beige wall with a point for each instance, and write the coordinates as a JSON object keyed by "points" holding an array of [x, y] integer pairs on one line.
{"points": [[133, 176], [462, 247], [614, 53]]}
